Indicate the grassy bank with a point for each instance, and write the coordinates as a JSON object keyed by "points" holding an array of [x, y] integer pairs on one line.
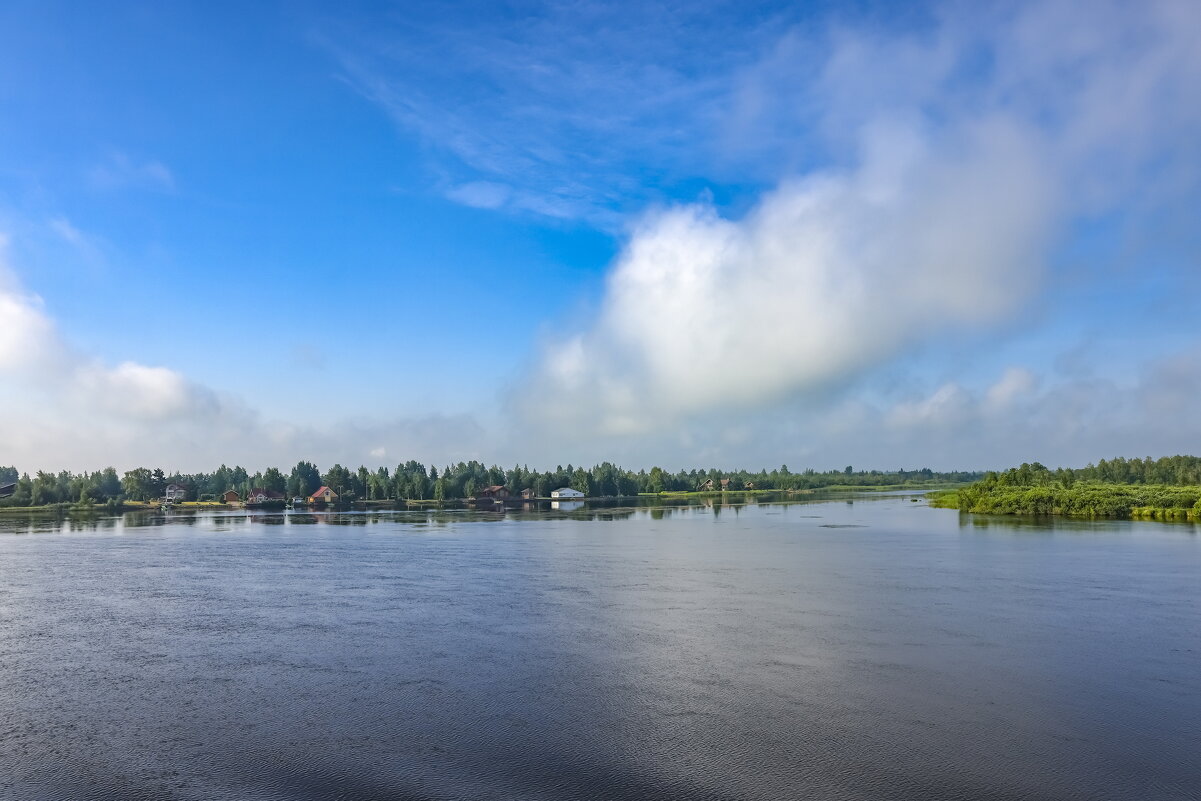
{"points": [[1091, 499]]}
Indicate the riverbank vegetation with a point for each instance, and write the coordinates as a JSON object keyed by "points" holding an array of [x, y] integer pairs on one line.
{"points": [[1162, 489], [413, 481]]}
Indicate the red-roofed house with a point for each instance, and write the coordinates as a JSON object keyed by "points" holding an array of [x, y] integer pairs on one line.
{"points": [[323, 495]]}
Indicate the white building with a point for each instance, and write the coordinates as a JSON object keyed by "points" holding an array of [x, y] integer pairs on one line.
{"points": [[566, 492]]}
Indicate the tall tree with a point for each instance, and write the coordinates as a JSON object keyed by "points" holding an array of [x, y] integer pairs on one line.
{"points": [[274, 480], [655, 480], [138, 484]]}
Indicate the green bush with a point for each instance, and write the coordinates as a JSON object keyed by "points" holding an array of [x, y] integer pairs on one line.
{"points": [[1090, 499]]}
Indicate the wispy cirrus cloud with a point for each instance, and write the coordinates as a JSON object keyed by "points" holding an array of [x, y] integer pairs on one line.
{"points": [[90, 248], [566, 110], [121, 171]]}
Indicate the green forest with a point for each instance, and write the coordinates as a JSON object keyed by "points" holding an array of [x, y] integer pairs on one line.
{"points": [[413, 481], [1157, 489]]}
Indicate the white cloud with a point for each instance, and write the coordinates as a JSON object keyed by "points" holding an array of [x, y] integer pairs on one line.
{"points": [[63, 227], [120, 171], [481, 194], [1016, 384], [33, 354], [68, 409], [65, 399], [1010, 417], [962, 154], [145, 393], [949, 405], [26, 334], [829, 275], [87, 246], [1068, 421]]}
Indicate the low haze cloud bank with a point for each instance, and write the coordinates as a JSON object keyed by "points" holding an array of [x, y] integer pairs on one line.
{"points": [[962, 156], [38, 363], [1016, 416], [1142, 410], [66, 409]]}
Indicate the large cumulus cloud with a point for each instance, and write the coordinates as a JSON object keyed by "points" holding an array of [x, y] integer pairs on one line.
{"points": [[959, 157]]}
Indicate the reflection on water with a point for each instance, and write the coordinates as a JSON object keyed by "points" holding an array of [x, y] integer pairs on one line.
{"points": [[702, 650], [59, 521], [566, 506]]}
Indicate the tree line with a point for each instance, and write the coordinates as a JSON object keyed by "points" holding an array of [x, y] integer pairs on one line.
{"points": [[1166, 488], [1179, 471], [413, 480]]}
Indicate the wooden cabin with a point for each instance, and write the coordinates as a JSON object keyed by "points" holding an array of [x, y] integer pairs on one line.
{"points": [[323, 495]]}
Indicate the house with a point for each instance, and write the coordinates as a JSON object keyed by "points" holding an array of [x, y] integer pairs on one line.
{"points": [[566, 493], [323, 495], [528, 495], [495, 492], [175, 492], [706, 485], [260, 495], [725, 484], [8, 489], [749, 485], [231, 496]]}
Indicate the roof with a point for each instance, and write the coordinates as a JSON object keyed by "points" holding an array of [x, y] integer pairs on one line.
{"points": [[322, 490], [568, 489], [8, 489], [265, 492]]}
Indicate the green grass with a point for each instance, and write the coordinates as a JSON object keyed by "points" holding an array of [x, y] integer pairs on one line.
{"points": [[943, 499], [1089, 500]]}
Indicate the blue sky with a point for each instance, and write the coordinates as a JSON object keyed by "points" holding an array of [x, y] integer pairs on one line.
{"points": [[739, 234]]}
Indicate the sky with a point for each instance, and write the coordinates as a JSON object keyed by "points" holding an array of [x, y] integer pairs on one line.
{"points": [[949, 234]]}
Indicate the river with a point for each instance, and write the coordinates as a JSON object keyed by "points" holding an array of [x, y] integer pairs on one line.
{"points": [[854, 648]]}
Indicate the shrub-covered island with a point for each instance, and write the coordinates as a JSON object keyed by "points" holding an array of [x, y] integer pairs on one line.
{"points": [[1161, 489]]}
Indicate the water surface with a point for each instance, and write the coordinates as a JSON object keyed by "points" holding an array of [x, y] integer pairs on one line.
{"points": [[873, 649]]}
